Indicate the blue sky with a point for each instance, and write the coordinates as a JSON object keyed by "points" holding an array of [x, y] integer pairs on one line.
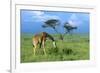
{"points": [[32, 21]]}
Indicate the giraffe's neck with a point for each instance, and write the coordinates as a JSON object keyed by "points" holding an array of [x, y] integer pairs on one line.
{"points": [[51, 38]]}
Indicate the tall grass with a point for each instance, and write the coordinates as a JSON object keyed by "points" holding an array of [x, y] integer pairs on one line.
{"points": [[75, 47]]}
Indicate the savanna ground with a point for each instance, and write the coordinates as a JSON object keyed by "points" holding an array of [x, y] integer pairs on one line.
{"points": [[75, 47]]}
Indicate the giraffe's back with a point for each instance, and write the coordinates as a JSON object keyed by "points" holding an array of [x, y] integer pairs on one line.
{"points": [[36, 39]]}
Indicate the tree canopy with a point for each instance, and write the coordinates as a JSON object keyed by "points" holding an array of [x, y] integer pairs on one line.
{"points": [[51, 23], [68, 27]]}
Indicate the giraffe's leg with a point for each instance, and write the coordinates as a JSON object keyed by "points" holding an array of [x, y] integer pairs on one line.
{"points": [[43, 43], [34, 50], [44, 51]]}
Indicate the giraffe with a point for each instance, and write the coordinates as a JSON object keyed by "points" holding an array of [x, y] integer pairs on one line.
{"points": [[41, 39]]}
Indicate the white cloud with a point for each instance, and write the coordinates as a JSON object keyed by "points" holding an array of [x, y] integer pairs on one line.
{"points": [[41, 16], [73, 17], [38, 13], [74, 20]]}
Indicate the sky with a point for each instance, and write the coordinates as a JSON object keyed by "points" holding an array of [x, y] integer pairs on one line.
{"points": [[32, 21]]}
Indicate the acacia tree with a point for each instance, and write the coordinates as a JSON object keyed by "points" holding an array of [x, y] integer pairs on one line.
{"points": [[52, 23], [69, 28]]}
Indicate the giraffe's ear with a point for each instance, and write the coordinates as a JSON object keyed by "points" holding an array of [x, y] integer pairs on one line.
{"points": [[54, 44]]}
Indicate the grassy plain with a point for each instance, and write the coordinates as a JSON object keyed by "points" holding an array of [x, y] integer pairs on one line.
{"points": [[75, 47]]}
